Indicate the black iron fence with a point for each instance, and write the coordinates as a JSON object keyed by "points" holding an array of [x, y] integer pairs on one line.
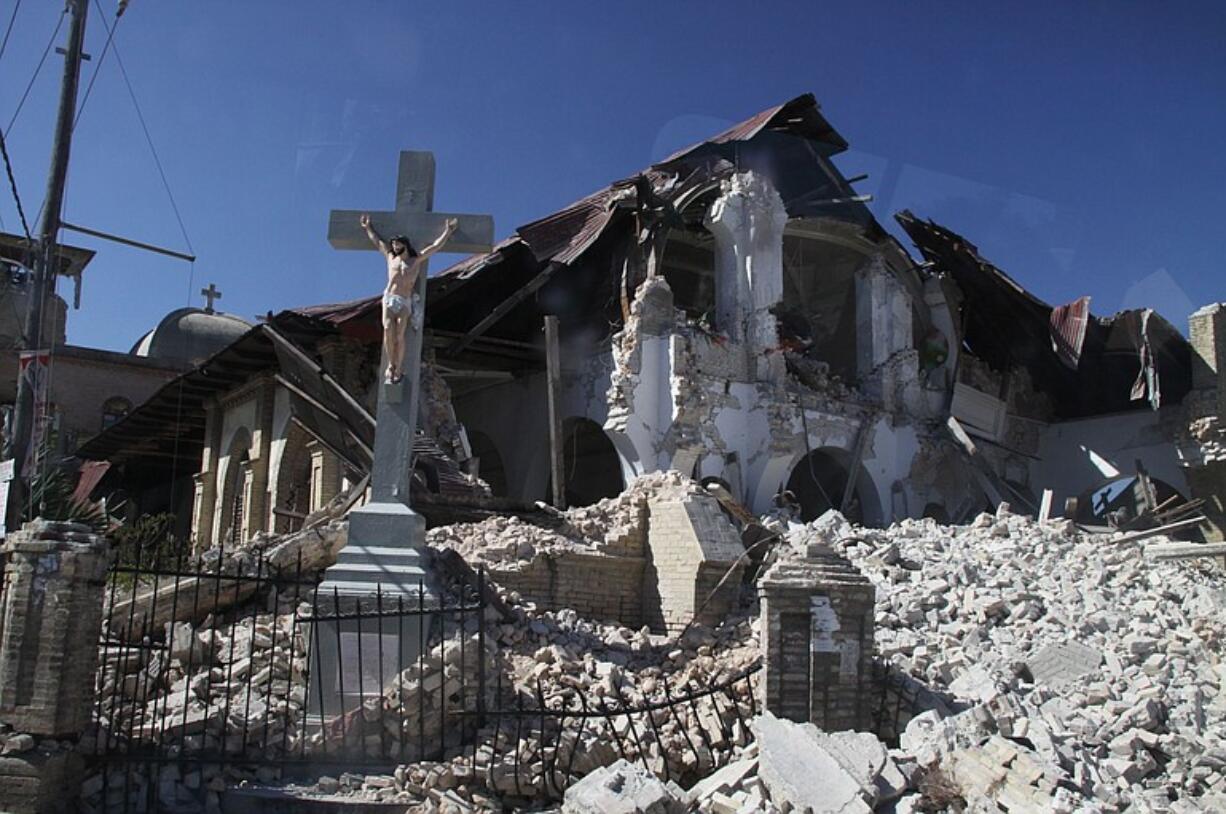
{"points": [[240, 668]]}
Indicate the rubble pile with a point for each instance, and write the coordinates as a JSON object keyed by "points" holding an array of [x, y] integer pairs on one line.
{"points": [[614, 525], [238, 689], [420, 709], [564, 663], [1083, 672], [218, 684]]}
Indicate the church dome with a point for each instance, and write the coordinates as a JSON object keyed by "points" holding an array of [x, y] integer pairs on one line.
{"points": [[190, 335]]}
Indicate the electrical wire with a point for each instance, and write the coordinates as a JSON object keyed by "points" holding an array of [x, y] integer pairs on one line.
{"points": [[145, 128], [59, 24], [9, 30], [8, 167], [97, 68]]}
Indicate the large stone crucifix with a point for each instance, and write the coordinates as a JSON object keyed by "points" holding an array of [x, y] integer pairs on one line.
{"points": [[386, 536], [385, 554]]}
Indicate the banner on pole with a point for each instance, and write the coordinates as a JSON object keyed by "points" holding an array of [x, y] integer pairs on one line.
{"points": [[35, 367]]}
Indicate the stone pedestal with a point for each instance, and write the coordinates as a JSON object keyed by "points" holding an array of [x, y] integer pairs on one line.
{"points": [[50, 617], [817, 634], [360, 644]]}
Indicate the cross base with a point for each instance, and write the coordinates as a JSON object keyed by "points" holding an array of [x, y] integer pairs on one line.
{"points": [[381, 595], [385, 552]]}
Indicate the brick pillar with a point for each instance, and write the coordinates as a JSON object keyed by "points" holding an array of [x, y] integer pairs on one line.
{"points": [[1207, 333], [325, 475], [817, 634], [50, 615]]}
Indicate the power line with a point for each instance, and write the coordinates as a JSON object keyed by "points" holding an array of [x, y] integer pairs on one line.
{"points": [[98, 66], [9, 30], [145, 128], [8, 167], [59, 23]]}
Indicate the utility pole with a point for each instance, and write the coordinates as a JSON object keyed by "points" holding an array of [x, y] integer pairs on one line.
{"points": [[46, 256]]}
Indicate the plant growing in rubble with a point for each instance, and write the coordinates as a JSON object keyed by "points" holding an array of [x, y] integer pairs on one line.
{"points": [[52, 498]]}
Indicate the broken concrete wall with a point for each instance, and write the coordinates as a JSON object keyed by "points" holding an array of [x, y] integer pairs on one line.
{"points": [[650, 556], [1077, 455]]}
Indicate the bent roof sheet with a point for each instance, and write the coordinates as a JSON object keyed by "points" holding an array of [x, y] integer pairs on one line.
{"points": [[562, 237], [1006, 325]]}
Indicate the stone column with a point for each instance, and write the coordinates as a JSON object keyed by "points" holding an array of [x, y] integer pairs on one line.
{"points": [[49, 621], [206, 481], [817, 641], [747, 221], [640, 394], [257, 508], [886, 359]]}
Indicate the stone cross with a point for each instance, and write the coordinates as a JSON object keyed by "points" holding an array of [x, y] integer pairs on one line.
{"points": [[211, 293], [385, 559], [386, 537], [413, 216]]}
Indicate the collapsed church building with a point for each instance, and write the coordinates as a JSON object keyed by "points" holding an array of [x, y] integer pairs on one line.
{"points": [[733, 313], [710, 425]]}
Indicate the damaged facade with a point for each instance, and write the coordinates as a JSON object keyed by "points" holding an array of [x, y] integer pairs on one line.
{"points": [[736, 314], [741, 346]]}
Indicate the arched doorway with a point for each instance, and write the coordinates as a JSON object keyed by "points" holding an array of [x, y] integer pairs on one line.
{"points": [[819, 480], [236, 490], [1117, 502], [489, 462], [590, 463]]}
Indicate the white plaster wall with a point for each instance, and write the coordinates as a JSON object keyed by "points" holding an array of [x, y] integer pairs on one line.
{"points": [[888, 461], [1064, 448]]}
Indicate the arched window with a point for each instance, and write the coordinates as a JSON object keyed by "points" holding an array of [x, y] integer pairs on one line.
{"points": [[113, 409]]}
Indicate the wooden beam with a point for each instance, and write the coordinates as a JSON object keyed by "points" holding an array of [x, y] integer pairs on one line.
{"points": [[504, 308], [1184, 551], [553, 383], [1167, 529], [857, 457]]}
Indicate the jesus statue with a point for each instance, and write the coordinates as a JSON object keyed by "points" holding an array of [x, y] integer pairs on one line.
{"points": [[401, 304]]}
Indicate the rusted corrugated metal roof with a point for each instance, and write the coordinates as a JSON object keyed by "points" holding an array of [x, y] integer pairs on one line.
{"points": [[1007, 326], [800, 116], [565, 235], [1068, 330]]}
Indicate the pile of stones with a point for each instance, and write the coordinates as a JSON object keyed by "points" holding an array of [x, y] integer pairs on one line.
{"points": [[614, 525], [562, 662], [1066, 670]]}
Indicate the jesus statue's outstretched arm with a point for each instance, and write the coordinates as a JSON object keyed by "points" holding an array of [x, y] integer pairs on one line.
{"points": [[448, 229], [372, 234]]}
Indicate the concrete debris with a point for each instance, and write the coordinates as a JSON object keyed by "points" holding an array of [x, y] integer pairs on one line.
{"points": [[1074, 673], [1053, 671], [606, 527], [798, 767], [623, 788]]}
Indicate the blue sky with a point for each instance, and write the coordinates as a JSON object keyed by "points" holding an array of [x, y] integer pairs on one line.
{"points": [[1077, 144]]}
